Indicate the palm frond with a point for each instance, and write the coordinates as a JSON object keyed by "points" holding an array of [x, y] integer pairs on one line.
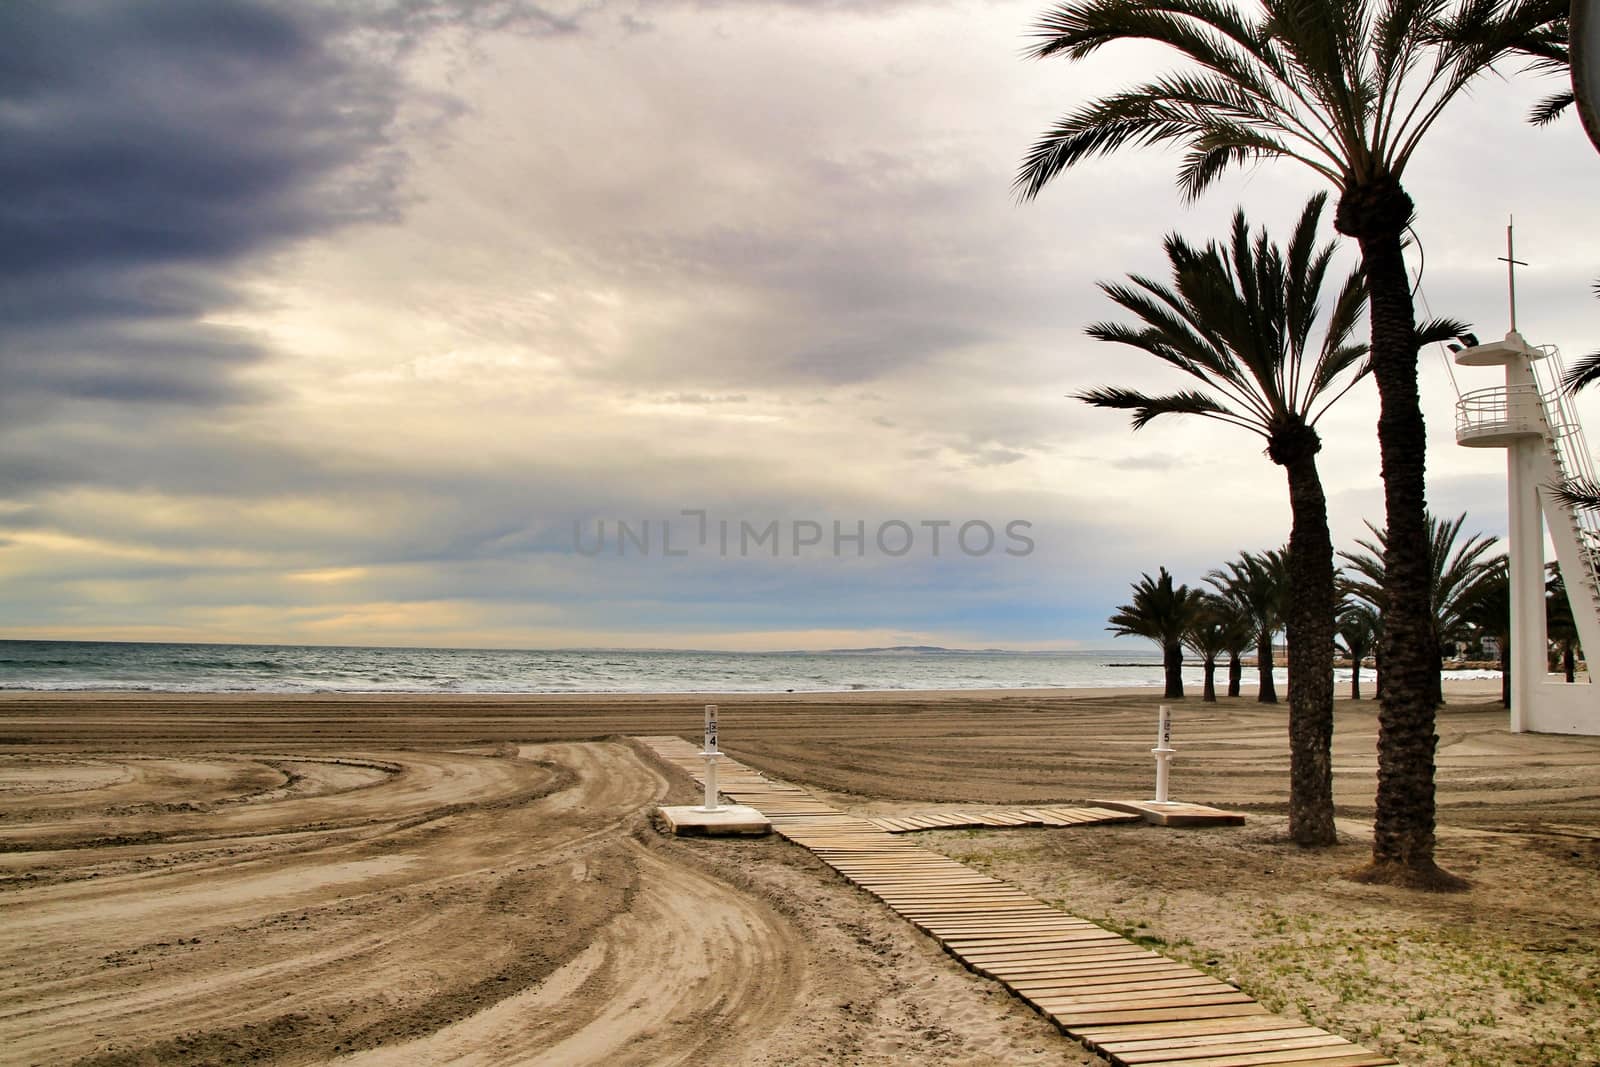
{"points": [[1439, 331], [1348, 87], [1235, 317], [1339, 352], [1551, 108], [1160, 610], [1583, 374], [1146, 407], [1579, 493]]}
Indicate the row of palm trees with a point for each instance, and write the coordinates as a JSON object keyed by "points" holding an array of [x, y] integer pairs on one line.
{"points": [[1245, 608], [1247, 605], [1241, 612], [1349, 90]]}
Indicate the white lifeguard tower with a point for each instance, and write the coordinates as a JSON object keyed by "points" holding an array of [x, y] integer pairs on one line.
{"points": [[1531, 418]]}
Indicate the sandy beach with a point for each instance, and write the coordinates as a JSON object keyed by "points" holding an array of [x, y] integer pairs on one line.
{"points": [[394, 880]]}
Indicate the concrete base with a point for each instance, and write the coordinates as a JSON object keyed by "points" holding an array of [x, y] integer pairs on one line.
{"points": [[1559, 708], [728, 820], [1174, 813]]}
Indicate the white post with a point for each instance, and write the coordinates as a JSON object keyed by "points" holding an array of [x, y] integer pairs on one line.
{"points": [[1525, 539], [1163, 752], [711, 755]]}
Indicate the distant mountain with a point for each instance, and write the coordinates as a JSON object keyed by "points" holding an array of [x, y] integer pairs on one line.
{"points": [[921, 650]]}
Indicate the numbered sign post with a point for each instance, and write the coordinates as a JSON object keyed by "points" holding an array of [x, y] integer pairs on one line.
{"points": [[711, 754], [1163, 751]]}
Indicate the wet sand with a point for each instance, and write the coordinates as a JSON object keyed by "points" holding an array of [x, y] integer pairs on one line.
{"points": [[235, 879]]}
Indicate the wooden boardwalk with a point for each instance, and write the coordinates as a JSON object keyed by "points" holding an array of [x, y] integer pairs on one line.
{"points": [[1001, 818], [1131, 1005]]}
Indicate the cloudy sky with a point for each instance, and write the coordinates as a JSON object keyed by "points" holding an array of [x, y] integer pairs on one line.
{"points": [[372, 323]]}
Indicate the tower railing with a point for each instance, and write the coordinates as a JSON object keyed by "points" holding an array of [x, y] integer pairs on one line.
{"points": [[1498, 410]]}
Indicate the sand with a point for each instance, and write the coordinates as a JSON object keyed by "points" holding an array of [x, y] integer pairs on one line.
{"points": [[382, 880]]}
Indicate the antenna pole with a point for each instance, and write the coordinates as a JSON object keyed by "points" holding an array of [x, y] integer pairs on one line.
{"points": [[1512, 263]]}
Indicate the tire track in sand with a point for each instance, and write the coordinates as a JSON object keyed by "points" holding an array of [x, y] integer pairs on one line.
{"points": [[509, 928], [692, 968]]}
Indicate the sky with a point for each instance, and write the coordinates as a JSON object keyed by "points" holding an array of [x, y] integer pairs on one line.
{"points": [[650, 324]]}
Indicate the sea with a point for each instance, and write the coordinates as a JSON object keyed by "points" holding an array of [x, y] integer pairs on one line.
{"points": [[190, 668], [220, 668]]}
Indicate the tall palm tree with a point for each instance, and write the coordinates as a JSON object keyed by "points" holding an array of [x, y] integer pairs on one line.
{"points": [[1162, 613], [1238, 320], [1453, 573], [1358, 629], [1349, 89]]}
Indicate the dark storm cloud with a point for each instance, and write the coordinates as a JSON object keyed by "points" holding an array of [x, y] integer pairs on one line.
{"points": [[414, 18], [147, 148]]}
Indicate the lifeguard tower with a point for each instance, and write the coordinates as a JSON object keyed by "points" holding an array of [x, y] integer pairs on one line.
{"points": [[1532, 419]]}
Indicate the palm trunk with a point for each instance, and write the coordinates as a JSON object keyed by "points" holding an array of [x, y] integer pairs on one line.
{"points": [[1355, 677], [1376, 214], [1437, 681], [1569, 661], [1210, 693], [1172, 661], [1377, 671], [1310, 623], [1505, 670], [1235, 673], [1267, 690]]}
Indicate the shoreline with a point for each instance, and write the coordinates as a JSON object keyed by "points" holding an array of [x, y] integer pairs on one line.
{"points": [[1459, 687]]}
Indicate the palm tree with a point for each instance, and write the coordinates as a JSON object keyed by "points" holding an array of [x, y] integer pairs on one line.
{"points": [[1239, 633], [1490, 611], [1453, 572], [1578, 492], [1552, 46], [1208, 636], [1162, 613], [1238, 320], [1358, 629], [1560, 626], [1258, 585], [1349, 90]]}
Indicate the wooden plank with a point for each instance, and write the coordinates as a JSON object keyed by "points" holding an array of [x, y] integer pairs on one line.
{"points": [[1127, 967], [1115, 956], [1278, 1042], [1201, 1006], [946, 818], [1058, 973], [1024, 954], [1035, 988], [1347, 1056], [1073, 1018], [1099, 1036], [1001, 818], [969, 942], [1131, 997], [1133, 1046]]}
